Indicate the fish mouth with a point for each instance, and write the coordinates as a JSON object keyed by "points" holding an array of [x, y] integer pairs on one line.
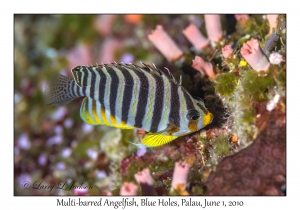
{"points": [[208, 118]]}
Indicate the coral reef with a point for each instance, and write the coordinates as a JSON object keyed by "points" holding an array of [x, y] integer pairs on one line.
{"points": [[235, 63]]}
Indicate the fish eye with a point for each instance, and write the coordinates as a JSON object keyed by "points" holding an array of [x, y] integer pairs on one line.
{"points": [[193, 115], [77, 68]]}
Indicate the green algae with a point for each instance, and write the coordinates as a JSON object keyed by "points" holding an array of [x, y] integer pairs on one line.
{"points": [[226, 84], [256, 84]]}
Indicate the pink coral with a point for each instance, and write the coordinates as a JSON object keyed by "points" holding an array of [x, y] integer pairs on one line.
{"points": [[254, 55], [128, 188], [146, 181], [180, 175], [241, 17], [273, 21], [204, 67], [165, 44], [80, 55], [104, 23], [213, 27], [227, 51], [81, 191], [197, 39]]}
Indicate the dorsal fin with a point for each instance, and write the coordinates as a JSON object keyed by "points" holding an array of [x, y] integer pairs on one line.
{"points": [[77, 71], [152, 70]]}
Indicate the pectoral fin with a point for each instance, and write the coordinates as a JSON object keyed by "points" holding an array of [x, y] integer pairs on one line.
{"points": [[156, 140]]}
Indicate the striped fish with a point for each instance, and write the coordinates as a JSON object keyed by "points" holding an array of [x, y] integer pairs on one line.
{"points": [[129, 96]]}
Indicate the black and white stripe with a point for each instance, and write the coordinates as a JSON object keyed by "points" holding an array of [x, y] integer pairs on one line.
{"points": [[127, 94], [115, 82], [174, 117], [147, 119], [142, 99], [158, 103]]}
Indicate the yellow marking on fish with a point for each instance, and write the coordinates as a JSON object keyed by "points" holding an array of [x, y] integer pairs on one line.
{"points": [[207, 119], [95, 112], [156, 140], [193, 125], [103, 115], [85, 114], [173, 129], [113, 120], [123, 126]]}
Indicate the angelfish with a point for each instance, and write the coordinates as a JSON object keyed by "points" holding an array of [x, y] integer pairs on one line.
{"points": [[129, 96]]}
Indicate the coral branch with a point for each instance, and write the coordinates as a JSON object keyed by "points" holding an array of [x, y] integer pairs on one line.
{"points": [[241, 17], [128, 188], [273, 21], [146, 181], [227, 51], [195, 37], [103, 24], [180, 175], [165, 44], [213, 27], [254, 55], [80, 55], [204, 67]]}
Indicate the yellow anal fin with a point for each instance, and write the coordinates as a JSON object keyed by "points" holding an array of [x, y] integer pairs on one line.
{"points": [[156, 140], [90, 115], [122, 126]]}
